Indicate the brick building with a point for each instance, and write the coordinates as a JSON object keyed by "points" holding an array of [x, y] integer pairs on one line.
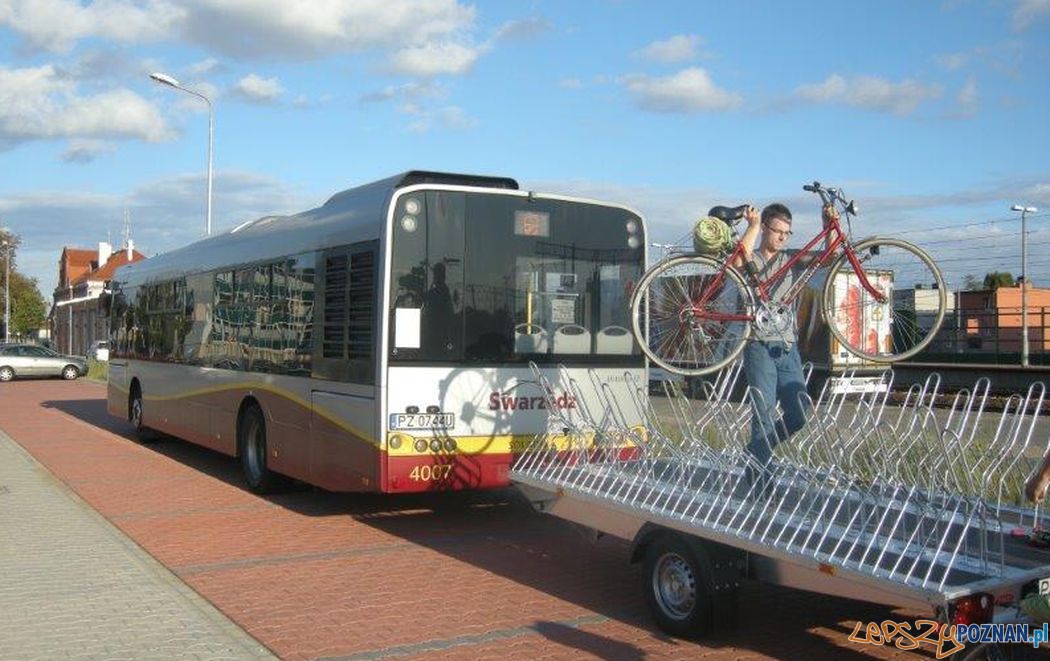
{"points": [[990, 319], [77, 317]]}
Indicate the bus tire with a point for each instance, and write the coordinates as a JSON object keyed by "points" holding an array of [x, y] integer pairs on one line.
{"points": [[675, 587], [135, 408], [251, 446]]}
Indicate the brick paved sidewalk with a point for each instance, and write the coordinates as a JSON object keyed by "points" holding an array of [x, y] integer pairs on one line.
{"points": [[74, 587], [356, 577]]}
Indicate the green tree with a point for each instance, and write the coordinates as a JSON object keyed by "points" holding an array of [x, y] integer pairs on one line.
{"points": [[971, 283], [27, 304], [995, 280]]}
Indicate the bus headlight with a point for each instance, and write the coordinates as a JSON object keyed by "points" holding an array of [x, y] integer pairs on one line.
{"points": [[633, 242], [395, 442], [450, 445], [409, 223], [435, 445], [420, 445], [632, 226], [412, 206]]}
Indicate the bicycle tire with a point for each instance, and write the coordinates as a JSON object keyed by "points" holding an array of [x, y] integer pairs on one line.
{"points": [[909, 333], [702, 357]]}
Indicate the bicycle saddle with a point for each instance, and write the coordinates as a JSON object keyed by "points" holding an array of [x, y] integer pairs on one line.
{"points": [[728, 214]]}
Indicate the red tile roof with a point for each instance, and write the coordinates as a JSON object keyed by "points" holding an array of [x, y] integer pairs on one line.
{"points": [[74, 263], [105, 272]]}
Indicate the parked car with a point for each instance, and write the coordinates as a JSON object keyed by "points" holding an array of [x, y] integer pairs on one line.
{"points": [[19, 360], [99, 350]]}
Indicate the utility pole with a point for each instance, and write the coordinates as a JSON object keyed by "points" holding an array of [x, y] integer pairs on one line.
{"points": [[1024, 279]]}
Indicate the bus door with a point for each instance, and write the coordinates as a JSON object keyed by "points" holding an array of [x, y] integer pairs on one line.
{"points": [[344, 427]]}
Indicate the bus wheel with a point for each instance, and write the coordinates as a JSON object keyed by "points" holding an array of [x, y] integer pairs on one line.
{"points": [[142, 433], [251, 445], [674, 587]]}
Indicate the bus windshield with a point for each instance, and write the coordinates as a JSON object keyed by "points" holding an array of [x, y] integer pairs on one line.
{"points": [[480, 277]]}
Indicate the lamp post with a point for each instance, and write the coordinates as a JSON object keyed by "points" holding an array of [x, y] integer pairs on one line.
{"points": [[1024, 278], [7, 289], [165, 79], [69, 341]]}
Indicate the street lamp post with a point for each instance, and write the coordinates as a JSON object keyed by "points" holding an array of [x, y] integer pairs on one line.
{"points": [[1024, 278], [165, 79], [69, 341], [7, 290]]}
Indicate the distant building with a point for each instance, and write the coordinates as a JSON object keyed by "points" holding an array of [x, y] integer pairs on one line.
{"points": [[924, 301], [990, 319], [77, 318]]}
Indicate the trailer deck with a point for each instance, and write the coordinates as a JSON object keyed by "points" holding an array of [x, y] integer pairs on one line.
{"points": [[906, 506]]}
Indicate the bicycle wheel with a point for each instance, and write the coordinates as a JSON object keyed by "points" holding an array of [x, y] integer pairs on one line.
{"points": [[691, 315], [908, 316]]}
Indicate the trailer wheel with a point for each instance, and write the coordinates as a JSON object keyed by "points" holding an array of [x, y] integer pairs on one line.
{"points": [[675, 587]]}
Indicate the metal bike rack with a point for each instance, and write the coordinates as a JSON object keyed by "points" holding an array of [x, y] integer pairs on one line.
{"points": [[899, 502]]}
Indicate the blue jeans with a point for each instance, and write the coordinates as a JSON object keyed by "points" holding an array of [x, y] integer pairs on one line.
{"points": [[775, 372]]}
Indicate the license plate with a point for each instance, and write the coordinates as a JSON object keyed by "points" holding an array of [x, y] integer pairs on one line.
{"points": [[422, 420], [1044, 586]]}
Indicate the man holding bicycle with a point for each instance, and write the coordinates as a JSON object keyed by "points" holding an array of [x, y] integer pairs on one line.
{"points": [[772, 364]]}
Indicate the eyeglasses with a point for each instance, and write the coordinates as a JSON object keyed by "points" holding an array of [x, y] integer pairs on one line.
{"points": [[783, 233]]}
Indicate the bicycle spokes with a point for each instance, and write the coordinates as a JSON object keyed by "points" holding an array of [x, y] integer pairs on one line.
{"points": [[695, 314], [886, 301]]}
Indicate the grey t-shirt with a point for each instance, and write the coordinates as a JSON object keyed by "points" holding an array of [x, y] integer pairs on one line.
{"points": [[789, 334]]}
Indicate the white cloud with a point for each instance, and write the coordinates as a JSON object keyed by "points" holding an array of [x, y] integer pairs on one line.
{"points": [[165, 214], [1037, 194], [869, 93], [678, 48], [688, 91], [1030, 11], [452, 118], [570, 83], [57, 25], [408, 30], [427, 89], [256, 89], [38, 103], [205, 66], [85, 150], [526, 28], [434, 58], [952, 61]]}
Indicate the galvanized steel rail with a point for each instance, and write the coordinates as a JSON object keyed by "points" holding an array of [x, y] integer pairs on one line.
{"points": [[901, 494]]}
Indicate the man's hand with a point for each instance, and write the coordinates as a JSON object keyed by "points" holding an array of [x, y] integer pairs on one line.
{"points": [[752, 217], [829, 213]]}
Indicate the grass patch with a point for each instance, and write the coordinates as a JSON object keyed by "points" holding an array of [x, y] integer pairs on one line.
{"points": [[98, 370]]}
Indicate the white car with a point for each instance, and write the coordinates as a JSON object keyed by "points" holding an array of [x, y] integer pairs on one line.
{"points": [[18, 360], [99, 350]]}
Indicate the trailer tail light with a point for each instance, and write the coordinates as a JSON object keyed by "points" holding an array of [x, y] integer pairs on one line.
{"points": [[975, 609]]}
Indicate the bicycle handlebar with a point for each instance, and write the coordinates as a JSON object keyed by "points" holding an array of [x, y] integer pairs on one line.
{"points": [[831, 196]]}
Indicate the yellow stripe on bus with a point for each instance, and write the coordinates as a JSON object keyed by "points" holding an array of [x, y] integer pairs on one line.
{"points": [[465, 445], [270, 388], [499, 444]]}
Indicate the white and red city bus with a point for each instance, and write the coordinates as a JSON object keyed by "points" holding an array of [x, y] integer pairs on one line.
{"points": [[382, 341]]}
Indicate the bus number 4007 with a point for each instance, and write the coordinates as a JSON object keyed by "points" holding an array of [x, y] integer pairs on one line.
{"points": [[427, 473]]}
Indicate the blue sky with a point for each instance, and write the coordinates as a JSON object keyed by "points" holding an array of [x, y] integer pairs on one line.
{"points": [[931, 114]]}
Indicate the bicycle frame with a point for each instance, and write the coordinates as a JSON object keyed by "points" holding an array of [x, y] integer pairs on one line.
{"points": [[831, 233]]}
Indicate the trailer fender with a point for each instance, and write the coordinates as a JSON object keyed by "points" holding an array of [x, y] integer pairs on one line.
{"points": [[724, 566]]}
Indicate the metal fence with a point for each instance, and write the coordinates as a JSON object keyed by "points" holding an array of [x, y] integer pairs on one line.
{"points": [[992, 336]]}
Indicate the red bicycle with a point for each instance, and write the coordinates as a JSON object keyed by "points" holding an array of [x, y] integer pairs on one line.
{"points": [[693, 314]]}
